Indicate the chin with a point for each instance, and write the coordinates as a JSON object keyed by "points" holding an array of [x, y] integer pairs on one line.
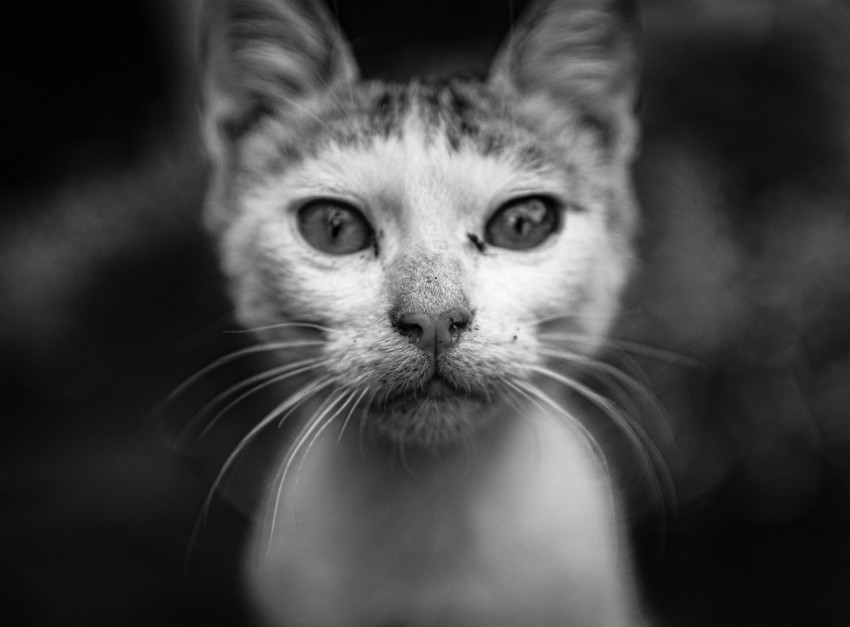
{"points": [[436, 419]]}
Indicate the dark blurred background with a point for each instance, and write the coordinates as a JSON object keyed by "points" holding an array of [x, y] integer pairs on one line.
{"points": [[109, 297]]}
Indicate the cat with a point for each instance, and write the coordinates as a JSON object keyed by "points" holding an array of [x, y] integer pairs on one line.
{"points": [[429, 261]]}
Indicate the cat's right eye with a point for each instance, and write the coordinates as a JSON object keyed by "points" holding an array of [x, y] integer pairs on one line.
{"points": [[334, 227]]}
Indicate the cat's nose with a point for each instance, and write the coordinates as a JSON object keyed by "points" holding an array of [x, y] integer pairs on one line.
{"points": [[433, 334]]}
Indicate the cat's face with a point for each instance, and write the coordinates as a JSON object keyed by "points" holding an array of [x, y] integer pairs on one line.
{"points": [[431, 231]]}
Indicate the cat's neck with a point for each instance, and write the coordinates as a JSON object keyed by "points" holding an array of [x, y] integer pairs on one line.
{"points": [[528, 509]]}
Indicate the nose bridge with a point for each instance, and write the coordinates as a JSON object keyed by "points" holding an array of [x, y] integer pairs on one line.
{"points": [[430, 283]]}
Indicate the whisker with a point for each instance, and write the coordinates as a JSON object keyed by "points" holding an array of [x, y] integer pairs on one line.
{"points": [[579, 315], [290, 403], [202, 335], [625, 381], [337, 411], [597, 399], [311, 432], [538, 396], [638, 372], [293, 401], [513, 398], [236, 355], [350, 413], [364, 417], [283, 325], [275, 376], [650, 456], [577, 359], [625, 345]]}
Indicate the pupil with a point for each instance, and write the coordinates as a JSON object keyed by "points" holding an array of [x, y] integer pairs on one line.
{"points": [[334, 224], [521, 225]]}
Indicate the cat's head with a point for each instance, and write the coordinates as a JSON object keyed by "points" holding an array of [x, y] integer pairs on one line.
{"points": [[431, 230]]}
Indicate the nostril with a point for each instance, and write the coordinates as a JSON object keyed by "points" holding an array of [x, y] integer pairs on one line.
{"points": [[409, 329], [415, 326], [458, 320], [450, 324]]}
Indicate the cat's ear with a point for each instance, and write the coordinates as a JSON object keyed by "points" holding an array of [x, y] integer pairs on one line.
{"points": [[266, 56], [583, 52]]}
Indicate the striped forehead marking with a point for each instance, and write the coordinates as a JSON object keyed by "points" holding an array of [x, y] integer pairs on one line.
{"points": [[461, 113]]}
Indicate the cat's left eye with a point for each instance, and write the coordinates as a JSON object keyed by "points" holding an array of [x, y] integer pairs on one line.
{"points": [[334, 227], [522, 223]]}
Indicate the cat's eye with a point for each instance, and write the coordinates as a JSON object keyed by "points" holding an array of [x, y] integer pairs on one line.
{"points": [[334, 227], [522, 223]]}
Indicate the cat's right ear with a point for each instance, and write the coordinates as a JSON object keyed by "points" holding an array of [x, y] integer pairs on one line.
{"points": [[582, 52], [262, 57]]}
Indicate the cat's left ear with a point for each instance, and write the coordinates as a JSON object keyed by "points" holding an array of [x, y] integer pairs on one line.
{"points": [[580, 52], [266, 57]]}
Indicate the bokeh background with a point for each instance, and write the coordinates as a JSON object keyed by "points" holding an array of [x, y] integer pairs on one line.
{"points": [[110, 296]]}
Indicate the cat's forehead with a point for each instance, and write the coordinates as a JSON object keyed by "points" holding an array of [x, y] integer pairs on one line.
{"points": [[412, 169], [447, 144], [460, 114], [453, 118]]}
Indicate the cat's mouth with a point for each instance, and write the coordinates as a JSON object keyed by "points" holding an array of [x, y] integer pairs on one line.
{"points": [[435, 388], [433, 415]]}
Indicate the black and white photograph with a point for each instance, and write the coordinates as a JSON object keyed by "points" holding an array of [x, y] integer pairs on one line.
{"points": [[468, 313]]}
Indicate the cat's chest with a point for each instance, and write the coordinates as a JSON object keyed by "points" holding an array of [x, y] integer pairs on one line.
{"points": [[499, 535]]}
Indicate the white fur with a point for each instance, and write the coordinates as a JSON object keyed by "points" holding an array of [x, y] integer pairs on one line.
{"points": [[521, 531]]}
